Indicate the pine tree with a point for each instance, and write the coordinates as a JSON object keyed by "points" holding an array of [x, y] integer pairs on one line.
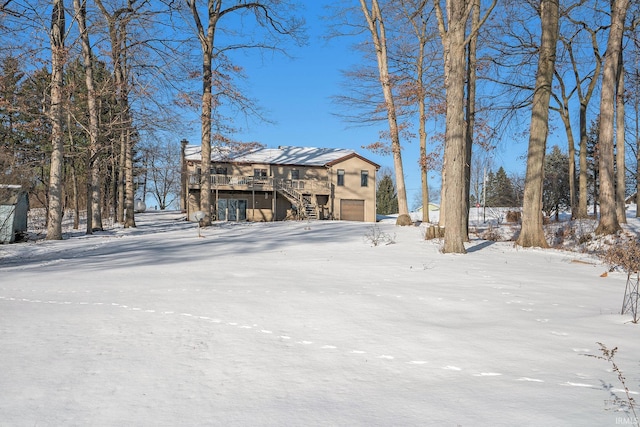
{"points": [[555, 195], [386, 196], [490, 192], [593, 158], [505, 196]]}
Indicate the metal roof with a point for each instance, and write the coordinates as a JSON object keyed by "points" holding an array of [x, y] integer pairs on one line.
{"points": [[283, 155]]}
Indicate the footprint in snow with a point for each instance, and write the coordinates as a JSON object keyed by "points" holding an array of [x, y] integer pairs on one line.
{"points": [[572, 384], [487, 374], [532, 380], [451, 368]]}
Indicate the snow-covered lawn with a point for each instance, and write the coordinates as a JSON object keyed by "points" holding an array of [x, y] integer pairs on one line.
{"points": [[305, 324]]}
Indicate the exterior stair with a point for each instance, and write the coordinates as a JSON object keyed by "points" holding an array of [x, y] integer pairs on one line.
{"points": [[306, 208]]}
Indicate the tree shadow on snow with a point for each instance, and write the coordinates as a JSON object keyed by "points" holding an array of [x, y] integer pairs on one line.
{"points": [[480, 246]]}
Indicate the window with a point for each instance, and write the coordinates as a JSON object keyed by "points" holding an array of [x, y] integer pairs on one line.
{"points": [[364, 178], [259, 173], [295, 174], [341, 177], [220, 170]]}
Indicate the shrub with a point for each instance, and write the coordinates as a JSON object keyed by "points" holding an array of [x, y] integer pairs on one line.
{"points": [[514, 216], [628, 405], [376, 237], [626, 255], [492, 234]]}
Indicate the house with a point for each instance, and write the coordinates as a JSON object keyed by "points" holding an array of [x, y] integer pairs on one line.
{"points": [[14, 205], [274, 184]]}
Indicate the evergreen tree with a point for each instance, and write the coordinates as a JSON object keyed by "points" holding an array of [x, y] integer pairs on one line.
{"points": [[504, 189], [593, 158], [555, 195], [490, 191], [500, 191], [386, 196]]}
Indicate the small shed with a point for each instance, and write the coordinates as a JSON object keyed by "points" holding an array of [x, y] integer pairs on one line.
{"points": [[14, 204]]}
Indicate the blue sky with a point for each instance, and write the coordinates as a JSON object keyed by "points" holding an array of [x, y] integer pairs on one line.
{"points": [[296, 95]]}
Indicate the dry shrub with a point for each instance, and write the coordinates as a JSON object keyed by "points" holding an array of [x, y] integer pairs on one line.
{"points": [[566, 233], [624, 254], [514, 216], [377, 237], [404, 220], [492, 234]]}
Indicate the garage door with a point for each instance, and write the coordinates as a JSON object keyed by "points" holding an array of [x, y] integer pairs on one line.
{"points": [[352, 210]]}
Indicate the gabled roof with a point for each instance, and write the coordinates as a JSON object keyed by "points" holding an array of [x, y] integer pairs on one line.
{"points": [[283, 155]]}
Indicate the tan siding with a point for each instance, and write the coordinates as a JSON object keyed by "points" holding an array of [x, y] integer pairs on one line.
{"points": [[352, 190], [329, 200]]}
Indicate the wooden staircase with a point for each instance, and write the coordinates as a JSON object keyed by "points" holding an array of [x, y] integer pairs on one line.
{"points": [[306, 208]]}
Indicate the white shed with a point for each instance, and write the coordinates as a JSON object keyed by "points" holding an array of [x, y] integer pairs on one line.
{"points": [[14, 204]]}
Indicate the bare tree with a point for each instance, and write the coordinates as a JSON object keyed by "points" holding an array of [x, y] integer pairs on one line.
{"points": [[118, 20], [452, 28], [577, 75], [56, 114], [470, 111], [621, 182], [267, 16], [94, 215], [419, 19], [584, 98], [375, 21], [609, 223], [532, 233], [162, 172]]}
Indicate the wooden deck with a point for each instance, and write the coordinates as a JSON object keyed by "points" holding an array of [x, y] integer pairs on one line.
{"points": [[249, 183]]}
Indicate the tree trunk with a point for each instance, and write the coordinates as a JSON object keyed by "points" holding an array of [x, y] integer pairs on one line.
{"points": [[582, 178], [205, 121], [572, 160], [121, 177], [608, 223], [378, 34], [455, 140], [58, 58], [470, 112], [637, 136], [584, 102], [94, 221], [117, 25], [422, 134], [129, 218], [621, 184], [74, 175], [207, 38], [532, 233]]}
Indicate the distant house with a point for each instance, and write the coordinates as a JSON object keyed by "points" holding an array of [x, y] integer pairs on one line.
{"points": [[274, 184], [14, 205]]}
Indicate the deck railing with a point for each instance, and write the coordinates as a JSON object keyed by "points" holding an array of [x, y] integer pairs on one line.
{"points": [[261, 183]]}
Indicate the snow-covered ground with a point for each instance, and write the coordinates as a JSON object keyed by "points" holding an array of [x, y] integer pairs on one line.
{"points": [[307, 324]]}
